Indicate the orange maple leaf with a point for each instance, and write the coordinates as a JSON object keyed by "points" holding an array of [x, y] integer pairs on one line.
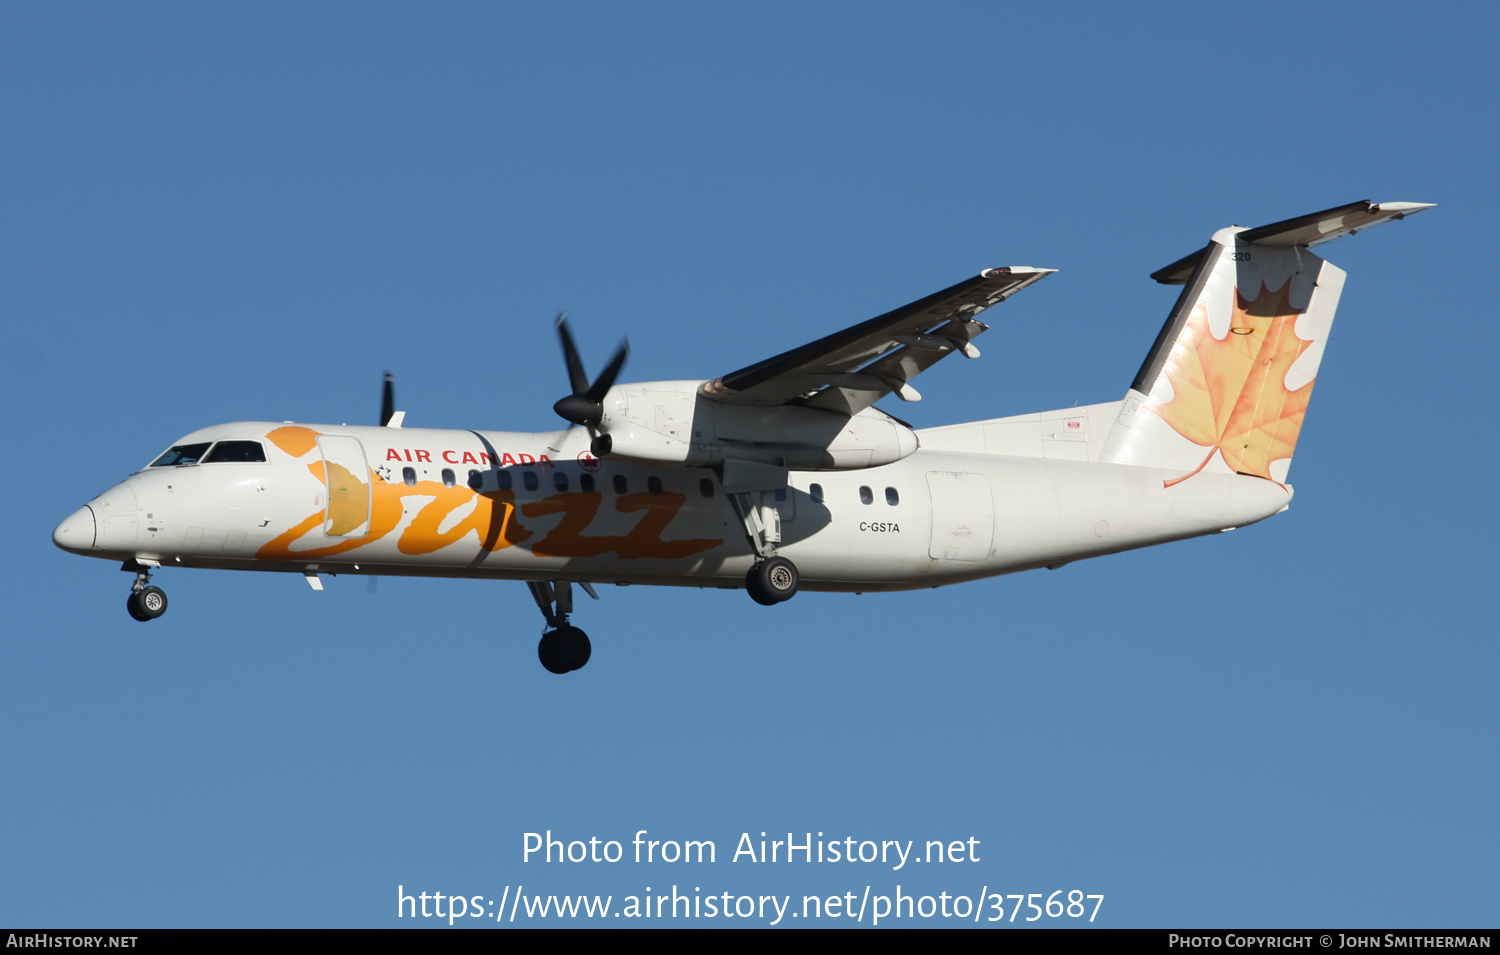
{"points": [[1229, 395]]}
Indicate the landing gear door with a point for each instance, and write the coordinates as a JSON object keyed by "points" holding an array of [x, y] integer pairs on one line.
{"points": [[963, 516], [348, 480]]}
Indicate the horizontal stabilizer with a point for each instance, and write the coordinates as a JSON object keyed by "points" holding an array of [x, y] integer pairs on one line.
{"points": [[1306, 231]]}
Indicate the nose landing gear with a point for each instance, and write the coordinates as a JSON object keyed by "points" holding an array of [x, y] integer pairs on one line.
{"points": [[145, 602]]}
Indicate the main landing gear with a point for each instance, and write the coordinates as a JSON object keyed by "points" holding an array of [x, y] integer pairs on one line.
{"points": [[145, 602], [773, 578], [563, 647]]}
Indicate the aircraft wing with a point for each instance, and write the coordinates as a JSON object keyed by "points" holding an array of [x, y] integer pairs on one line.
{"points": [[850, 370]]}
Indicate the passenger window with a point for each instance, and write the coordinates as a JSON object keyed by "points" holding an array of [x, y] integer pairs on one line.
{"points": [[891, 497], [586, 483], [235, 451], [528, 478], [815, 491], [866, 496], [476, 480], [621, 486], [409, 476], [503, 479], [706, 487], [653, 484], [448, 479], [181, 454], [560, 481], [785, 503]]}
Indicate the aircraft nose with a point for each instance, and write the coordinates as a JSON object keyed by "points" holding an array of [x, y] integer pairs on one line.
{"points": [[77, 533]]}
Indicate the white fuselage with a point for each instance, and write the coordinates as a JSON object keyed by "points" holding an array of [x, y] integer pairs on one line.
{"points": [[935, 517]]}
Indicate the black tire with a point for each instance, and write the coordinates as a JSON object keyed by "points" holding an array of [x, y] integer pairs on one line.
{"points": [[133, 610], [776, 578], [549, 651], [564, 650], [576, 648], [756, 591], [151, 602]]}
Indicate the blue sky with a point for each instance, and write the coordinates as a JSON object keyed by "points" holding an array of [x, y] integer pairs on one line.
{"points": [[215, 214]]}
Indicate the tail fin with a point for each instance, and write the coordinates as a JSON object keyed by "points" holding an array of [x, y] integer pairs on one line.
{"points": [[1226, 385]]}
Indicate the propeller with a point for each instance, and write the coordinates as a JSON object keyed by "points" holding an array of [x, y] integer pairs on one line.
{"points": [[585, 406], [387, 402]]}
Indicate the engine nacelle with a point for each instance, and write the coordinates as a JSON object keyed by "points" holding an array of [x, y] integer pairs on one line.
{"points": [[668, 422]]}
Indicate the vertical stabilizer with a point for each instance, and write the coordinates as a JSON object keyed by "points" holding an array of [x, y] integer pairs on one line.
{"points": [[1226, 386]]}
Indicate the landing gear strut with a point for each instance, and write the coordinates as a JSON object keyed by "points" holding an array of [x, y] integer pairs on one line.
{"points": [[145, 602], [563, 647]]}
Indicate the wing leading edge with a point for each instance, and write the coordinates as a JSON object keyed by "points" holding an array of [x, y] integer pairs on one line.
{"points": [[850, 370]]}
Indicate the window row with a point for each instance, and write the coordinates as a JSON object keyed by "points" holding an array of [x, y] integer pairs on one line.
{"points": [[251, 451], [531, 481], [866, 496]]}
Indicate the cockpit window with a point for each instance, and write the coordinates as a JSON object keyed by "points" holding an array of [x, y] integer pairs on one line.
{"points": [[227, 451], [181, 454]]}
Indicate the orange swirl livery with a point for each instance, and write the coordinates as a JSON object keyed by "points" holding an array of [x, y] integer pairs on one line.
{"points": [[783, 475], [442, 515]]}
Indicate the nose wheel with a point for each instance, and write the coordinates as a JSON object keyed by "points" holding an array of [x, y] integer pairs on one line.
{"points": [[147, 603]]}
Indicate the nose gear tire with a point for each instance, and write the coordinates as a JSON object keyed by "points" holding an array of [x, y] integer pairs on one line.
{"points": [[148, 603]]}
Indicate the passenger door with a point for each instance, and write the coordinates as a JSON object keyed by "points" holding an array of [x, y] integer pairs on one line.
{"points": [[348, 480]]}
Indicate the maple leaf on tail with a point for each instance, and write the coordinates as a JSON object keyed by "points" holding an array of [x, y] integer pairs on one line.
{"points": [[1229, 395]]}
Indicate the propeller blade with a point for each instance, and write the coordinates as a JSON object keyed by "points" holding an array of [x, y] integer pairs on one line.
{"points": [[577, 377], [387, 401], [579, 410], [585, 405], [606, 379]]}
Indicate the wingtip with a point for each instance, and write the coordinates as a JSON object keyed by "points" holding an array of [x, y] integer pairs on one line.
{"points": [[1015, 270], [1404, 208]]}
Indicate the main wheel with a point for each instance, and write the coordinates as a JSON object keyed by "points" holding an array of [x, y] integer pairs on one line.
{"points": [[564, 650], [756, 591], [576, 647], [549, 651], [773, 580], [147, 603]]}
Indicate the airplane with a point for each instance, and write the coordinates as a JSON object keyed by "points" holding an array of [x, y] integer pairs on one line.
{"points": [[781, 476]]}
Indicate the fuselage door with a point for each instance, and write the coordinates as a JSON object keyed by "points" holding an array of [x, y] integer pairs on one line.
{"points": [[348, 479], [963, 515]]}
